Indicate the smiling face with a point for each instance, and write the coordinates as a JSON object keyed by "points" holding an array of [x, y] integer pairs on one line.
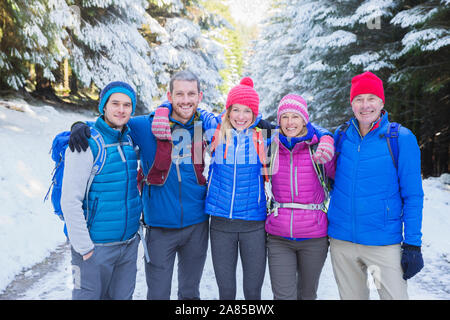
{"points": [[185, 98], [292, 124], [367, 109], [241, 117], [118, 110]]}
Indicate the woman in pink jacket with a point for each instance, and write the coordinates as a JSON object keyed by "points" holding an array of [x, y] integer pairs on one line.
{"points": [[297, 224]]}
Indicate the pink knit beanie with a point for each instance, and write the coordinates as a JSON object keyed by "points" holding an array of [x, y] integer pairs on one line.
{"points": [[244, 94], [293, 103]]}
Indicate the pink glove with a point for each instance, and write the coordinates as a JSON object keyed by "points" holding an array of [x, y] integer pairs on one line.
{"points": [[161, 125], [325, 150]]}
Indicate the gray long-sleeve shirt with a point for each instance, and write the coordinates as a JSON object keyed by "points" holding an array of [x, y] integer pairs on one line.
{"points": [[77, 170]]}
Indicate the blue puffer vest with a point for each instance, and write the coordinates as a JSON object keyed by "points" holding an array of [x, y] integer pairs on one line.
{"points": [[373, 203], [114, 202], [236, 186]]}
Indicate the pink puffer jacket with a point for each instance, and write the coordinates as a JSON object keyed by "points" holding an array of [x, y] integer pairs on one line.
{"points": [[296, 181]]}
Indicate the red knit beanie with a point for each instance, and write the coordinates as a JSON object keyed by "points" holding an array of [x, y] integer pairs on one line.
{"points": [[244, 94], [365, 83]]}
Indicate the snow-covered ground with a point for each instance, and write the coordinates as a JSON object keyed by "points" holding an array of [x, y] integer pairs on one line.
{"points": [[30, 232]]}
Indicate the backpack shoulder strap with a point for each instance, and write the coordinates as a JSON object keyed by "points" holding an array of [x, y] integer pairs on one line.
{"points": [[258, 142], [341, 135], [99, 159], [215, 139], [320, 172], [99, 162], [392, 141]]}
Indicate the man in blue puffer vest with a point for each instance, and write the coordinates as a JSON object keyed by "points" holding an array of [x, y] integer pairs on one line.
{"points": [[102, 226], [375, 213]]}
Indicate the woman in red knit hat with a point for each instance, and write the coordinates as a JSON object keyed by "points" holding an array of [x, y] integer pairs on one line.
{"points": [[235, 198]]}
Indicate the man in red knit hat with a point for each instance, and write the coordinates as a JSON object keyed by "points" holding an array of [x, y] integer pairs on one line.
{"points": [[375, 213]]}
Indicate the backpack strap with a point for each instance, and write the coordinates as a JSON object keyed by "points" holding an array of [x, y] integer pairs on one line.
{"points": [[99, 162], [215, 140], [341, 133], [258, 142], [320, 172], [274, 147], [392, 141]]}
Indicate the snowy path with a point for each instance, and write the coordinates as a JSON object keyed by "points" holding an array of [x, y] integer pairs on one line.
{"points": [[52, 280]]}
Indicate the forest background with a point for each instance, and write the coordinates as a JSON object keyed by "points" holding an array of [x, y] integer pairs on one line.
{"points": [[62, 52]]}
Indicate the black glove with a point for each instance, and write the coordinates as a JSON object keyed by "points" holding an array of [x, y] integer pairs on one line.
{"points": [[412, 261], [79, 134], [264, 124]]}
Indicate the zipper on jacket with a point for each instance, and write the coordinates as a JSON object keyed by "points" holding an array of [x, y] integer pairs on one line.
{"points": [[122, 154], [179, 195], [209, 182], [259, 192], [296, 182], [291, 160], [177, 166], [355, 170], [234, 178]]}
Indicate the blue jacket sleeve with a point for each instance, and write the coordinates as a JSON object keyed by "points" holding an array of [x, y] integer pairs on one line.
{"points": [[411, 191], [209, 122], [320, 131]]}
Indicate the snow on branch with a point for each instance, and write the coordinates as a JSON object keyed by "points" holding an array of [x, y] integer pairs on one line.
{"points": [[337, 39]]}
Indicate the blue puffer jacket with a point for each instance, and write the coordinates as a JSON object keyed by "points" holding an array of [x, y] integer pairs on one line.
{"points": [[235, 186], [114, 202], [180, 202], [372, 202]]}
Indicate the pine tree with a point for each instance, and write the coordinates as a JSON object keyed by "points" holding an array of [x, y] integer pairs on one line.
{"points": [[406, 43], [226, 31], [179, 43], [31, 34], [286, 49], [107, 46]]}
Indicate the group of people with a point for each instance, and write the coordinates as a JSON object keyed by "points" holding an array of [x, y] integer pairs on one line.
{"points": [[265, 196]]}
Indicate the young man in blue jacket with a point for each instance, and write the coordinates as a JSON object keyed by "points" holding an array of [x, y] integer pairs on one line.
{"points": [[174, 193], [102, 226], [173, 196], [375, 213]]}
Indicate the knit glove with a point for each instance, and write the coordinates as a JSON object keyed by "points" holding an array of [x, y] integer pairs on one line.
{"points": [[79, 135], [325, 150], [161, 125], [412, 261]]}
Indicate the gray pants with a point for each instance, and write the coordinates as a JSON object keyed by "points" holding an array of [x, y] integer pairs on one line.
{"points": [[109, 274], [190, 244], [295, 267], [252, 248]]}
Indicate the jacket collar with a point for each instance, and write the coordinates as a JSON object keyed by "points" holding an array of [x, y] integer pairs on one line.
{"points": [[291, 142], [111, 132], [377, 124]]}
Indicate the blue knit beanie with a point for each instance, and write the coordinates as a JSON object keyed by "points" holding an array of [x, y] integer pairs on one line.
{"points": [[113, 87]]}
